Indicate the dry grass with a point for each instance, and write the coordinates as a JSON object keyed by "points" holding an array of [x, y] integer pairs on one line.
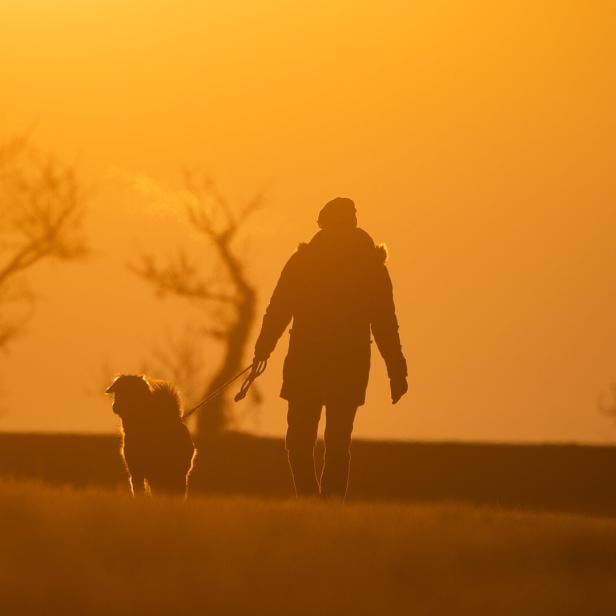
{"points": [[69, 552]]}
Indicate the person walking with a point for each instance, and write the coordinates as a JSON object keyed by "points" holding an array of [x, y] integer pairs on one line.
{"points": [[337, 291]]}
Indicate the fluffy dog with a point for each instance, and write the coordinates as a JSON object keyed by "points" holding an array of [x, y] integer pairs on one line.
{"points": [[156, 445]]}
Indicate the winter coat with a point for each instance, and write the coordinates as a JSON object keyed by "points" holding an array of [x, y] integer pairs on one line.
{"points": [[337, 290]]}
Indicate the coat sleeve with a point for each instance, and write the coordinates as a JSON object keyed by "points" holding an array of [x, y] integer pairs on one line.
{"points": [[384, 324], [279, 312]]}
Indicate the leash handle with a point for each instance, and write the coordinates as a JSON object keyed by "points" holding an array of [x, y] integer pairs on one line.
{"points": [[258, 368], [216, 393]]}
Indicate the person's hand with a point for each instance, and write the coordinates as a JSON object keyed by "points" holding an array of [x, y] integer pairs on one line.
{"points": [[399, 386], [259, 356], [258, 366]]}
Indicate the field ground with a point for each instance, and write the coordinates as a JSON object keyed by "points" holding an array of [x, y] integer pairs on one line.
{"points": [[67, 551], [556, 478]]}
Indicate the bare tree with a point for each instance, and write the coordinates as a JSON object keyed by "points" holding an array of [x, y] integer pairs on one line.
{"points": [[228, 292], [41, 208]]}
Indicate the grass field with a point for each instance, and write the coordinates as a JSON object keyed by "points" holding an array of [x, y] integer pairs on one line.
{"points": [[544, 478], [64, 551]]}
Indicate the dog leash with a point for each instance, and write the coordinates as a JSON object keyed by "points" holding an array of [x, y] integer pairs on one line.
{"points": [[256, 369]]}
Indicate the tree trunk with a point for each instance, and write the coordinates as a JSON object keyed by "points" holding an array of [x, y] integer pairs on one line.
{"points": [[214, 418]]}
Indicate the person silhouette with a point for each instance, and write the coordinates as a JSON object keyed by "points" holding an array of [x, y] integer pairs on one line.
{"points": [[337, 290]]}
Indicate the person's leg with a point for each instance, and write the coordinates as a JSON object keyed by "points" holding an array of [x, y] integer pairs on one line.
{"points": [[338, 430], [303, 422]]}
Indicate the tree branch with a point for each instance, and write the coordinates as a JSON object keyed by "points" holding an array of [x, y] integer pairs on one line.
{"points": [[179, 277], [41, 207]]}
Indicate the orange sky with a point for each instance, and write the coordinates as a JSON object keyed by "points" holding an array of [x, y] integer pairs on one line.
{"points": [[478, 141]]}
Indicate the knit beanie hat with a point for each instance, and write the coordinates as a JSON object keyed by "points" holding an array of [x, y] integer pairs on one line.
{"points": [[339, 213]]}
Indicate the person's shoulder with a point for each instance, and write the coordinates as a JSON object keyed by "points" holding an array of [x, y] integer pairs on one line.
{"points": [[379, 267], [297, 258], [377, 253]]}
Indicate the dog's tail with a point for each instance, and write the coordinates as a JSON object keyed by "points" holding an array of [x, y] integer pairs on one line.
{"points": [[167, 400]]}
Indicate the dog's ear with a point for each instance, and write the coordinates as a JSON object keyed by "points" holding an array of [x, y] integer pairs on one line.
{"points": [[112, 388], [124, 381]]}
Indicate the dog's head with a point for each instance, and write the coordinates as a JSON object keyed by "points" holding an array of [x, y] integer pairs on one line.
{"points": [[131, 393]]}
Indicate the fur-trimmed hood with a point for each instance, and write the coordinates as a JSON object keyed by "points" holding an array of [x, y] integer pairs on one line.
{"points": [[382, 253], [356, 241]]}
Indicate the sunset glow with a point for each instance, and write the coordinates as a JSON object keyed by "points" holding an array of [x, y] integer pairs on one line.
{"points": [[476, 138]]}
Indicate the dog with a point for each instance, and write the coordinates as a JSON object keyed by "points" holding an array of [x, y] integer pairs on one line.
{"points": [[157, 449]]}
